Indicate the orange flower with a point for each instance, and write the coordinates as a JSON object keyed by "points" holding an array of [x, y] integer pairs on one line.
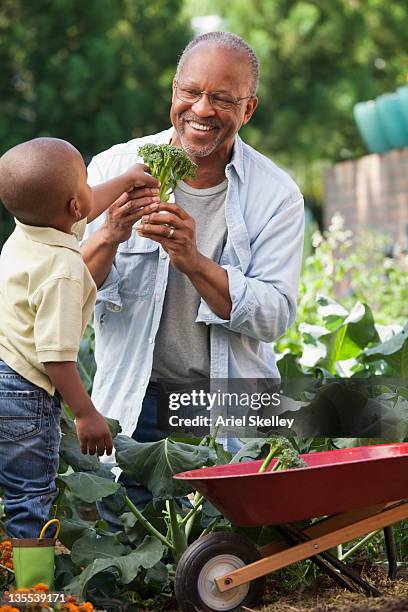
{"points": [[8, 609], [70, 607], [70, 599], [40, 587], [86, 607]]}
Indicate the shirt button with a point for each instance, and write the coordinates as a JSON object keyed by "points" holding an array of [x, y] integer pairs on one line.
{"points": [[157, 297], [163, 255], [150, 340], [115, 307]]}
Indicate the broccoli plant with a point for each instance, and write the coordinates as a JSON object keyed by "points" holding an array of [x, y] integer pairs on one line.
{"points": [[169, 165], [287, 456]]}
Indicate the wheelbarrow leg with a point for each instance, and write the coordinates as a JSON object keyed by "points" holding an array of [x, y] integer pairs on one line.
{"points": [[391, 552], [293, 532], [320, 562]]}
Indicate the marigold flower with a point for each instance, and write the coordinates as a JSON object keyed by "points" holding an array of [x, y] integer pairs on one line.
{"points": [[41, 587], [8, 609], [70, 599], [71, 607], [86, 607]]}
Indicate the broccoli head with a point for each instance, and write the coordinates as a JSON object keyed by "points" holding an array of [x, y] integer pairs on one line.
{"points": [[282, 449], [169, 165]]}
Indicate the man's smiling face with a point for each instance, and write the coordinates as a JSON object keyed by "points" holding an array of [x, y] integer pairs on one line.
{"points": [[202, 129]]}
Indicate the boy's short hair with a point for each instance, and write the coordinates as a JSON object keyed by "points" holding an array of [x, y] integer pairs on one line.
{"points": [[38, 178]]}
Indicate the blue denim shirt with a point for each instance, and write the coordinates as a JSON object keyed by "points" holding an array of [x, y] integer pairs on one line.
{"points": [[262, 257]]}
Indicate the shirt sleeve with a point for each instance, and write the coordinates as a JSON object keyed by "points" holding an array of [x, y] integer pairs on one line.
{"points": [[58, 319], [264, 298]]}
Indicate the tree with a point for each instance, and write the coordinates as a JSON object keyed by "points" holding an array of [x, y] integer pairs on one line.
{"points": [[94, 72], [318, 58]]}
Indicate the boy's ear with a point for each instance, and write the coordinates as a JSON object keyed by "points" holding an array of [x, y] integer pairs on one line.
{"points": [[74, 209]]}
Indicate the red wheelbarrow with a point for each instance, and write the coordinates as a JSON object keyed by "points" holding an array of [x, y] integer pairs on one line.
{"points": [[352, 491]]}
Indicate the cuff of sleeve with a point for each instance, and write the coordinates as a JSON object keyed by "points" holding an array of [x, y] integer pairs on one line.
{"points": [[241, 305], [52, 355], [109, 290]]}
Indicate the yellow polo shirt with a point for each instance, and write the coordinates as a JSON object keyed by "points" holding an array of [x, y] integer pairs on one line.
{"points": [[47, 297]]}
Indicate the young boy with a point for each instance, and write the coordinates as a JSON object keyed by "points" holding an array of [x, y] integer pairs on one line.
{"points": [[46, 300]]}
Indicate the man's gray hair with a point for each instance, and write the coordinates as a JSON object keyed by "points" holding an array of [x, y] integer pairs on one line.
{"points": [[228, 40]]}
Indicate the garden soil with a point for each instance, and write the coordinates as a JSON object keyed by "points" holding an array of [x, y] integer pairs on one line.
{"points": [[323, 596]]}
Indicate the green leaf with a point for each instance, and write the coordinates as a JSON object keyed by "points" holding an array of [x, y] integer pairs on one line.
{"points": [[92, 546], [389, 347], [332, 312], [346, 342], [65, 571], [155, 463], [361, 327], [157, 577], [134, 530], [114, 426], [146, 555], [88, 487], [289, 367], [72, 530], [251, 450], [72, 455], [394, 351]]}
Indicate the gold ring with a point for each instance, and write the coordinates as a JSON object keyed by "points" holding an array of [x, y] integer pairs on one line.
{"points": [[171, 232]]}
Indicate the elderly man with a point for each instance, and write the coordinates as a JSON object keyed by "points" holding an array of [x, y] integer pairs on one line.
{"points": [[205, 284]]}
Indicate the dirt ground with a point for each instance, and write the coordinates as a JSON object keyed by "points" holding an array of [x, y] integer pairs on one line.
{"points": [[325, 596]]}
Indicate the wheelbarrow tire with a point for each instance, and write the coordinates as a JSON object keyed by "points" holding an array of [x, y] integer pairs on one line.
{"points": [[197, 569]]}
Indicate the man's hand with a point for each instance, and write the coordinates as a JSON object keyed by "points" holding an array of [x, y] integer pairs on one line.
{"points": [[175, 230], [127, 210], [93, 433]]}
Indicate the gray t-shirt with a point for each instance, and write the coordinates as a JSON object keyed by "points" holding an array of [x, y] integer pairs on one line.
{"points": [[182, 348]]}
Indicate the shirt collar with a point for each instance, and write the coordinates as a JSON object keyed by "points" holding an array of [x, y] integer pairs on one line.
{"points": [[237, 158], [49, 235]]}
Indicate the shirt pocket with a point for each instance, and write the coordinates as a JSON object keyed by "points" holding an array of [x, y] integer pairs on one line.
{"points": [[20, 414], [136, 262]]}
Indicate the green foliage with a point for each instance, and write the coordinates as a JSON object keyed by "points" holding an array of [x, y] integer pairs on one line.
{"points": [[155, 463], [94, 73], [345, 269], [169, 165], [317, 60]]}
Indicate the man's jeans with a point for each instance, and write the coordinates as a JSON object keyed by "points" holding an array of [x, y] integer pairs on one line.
{"points": [[29, 452]]}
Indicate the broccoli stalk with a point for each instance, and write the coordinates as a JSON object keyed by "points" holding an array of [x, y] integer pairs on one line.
{"points": [[288, 458], [169, 165]]}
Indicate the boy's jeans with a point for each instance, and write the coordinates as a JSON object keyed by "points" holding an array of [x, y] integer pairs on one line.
{"points": [[29, 452]]}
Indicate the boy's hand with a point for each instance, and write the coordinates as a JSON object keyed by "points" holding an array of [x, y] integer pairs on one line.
{"points": [[93, 434], [139, 176]]}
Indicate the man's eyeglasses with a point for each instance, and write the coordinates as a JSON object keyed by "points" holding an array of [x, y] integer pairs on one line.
{"points": [[218, 101]]}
